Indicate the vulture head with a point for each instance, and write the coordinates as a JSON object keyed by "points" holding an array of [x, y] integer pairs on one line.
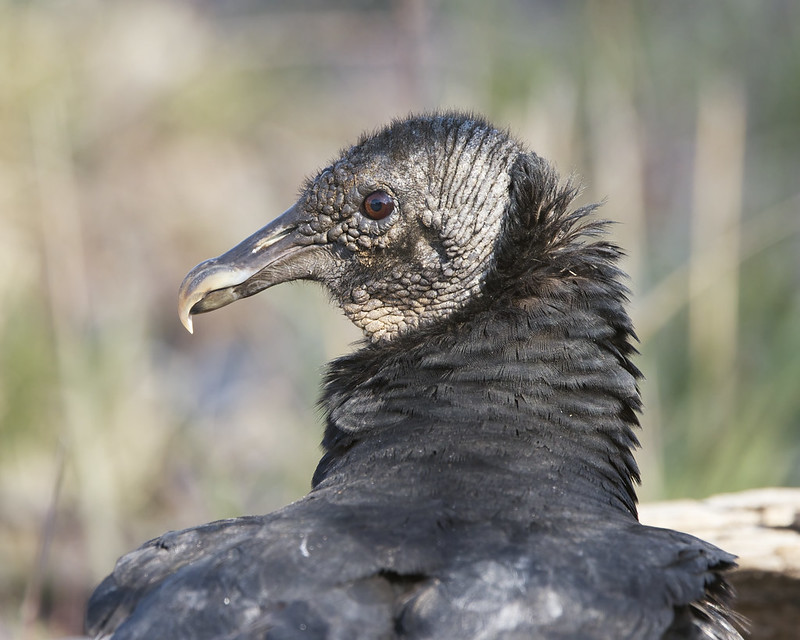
{"points": [[401, 229]]}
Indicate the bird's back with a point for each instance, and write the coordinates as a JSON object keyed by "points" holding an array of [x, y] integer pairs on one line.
{"points": [[335, 565]]}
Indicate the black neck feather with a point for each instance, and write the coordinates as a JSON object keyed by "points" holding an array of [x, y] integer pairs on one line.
{"points": [[528, 390]]}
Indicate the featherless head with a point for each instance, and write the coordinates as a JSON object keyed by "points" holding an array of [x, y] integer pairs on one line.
{"points": [[404, 228]]}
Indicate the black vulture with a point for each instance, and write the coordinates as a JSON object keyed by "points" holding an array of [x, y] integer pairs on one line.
{"points": [[477, 478]]}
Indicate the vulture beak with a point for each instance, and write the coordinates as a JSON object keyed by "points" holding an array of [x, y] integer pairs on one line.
{"points": [[274, 254]]}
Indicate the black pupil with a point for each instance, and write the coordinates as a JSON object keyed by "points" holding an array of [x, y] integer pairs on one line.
{"points": [[378, 205]]}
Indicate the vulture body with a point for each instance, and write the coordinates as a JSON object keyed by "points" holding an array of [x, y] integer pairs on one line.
{"points": [[477, 478]]}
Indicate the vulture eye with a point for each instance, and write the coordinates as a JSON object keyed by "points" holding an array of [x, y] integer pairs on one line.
{"points": [[377, 205]]}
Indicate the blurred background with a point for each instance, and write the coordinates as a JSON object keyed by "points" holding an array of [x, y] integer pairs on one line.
{"points": [[140, 137]]}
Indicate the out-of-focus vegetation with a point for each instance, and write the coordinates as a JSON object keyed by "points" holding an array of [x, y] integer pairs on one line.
{"points": [[137, 138]]}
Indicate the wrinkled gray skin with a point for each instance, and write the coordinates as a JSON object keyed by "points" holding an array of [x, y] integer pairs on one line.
{"points": [[432, 257]]}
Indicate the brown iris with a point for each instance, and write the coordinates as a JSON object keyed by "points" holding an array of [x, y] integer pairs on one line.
{"points": [[377, 205]]}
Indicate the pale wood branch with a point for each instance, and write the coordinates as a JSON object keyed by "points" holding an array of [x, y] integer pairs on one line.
{"points": [[762, 527]]}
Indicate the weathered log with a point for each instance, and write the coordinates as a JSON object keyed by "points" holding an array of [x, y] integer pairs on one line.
{"points": [[762, 527]]}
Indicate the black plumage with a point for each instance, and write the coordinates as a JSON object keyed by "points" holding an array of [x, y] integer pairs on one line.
{"points": [[477, 478]]}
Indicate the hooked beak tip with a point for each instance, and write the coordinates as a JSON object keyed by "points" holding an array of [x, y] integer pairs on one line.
{"points": [[210, 285], [186, 321]]}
